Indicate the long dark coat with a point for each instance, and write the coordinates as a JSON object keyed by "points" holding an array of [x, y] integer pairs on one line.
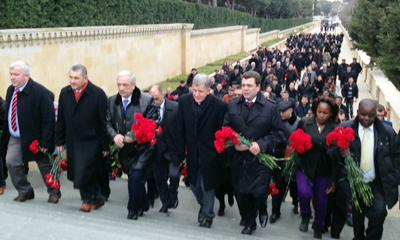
{"points": [[196, 132], [81, 126], [260, 123], [36, 119]]}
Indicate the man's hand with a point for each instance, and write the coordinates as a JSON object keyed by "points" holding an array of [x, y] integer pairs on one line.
{"points": [[255, 149], [241, 147], [119, 140], [344, 152], [60, 148], [128, 139], [331, 189], [43, 150]]}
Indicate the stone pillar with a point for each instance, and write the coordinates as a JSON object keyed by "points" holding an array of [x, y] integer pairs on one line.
{"points": [[186, 30]]}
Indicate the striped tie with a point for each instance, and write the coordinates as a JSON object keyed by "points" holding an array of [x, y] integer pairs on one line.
{"points": [[14, 110]]}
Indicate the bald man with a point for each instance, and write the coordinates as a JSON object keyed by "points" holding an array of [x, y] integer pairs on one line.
{"points": [[373, 151], [166, 160]]}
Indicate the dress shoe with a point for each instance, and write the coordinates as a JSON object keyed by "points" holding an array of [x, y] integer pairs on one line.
{"points": [[274, 217], [263, 218], [206, 223], [132, 216], [174, 203], [163, 209], [25, 197], [304, 224], [200, 217], [53, 198], [85, 207], [98, 205], [295, 210], [2, 189], [249, 230], [317, 233]]}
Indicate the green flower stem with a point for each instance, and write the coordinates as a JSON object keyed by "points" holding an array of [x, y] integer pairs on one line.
{"points": [[265, 159], [360, 190]]}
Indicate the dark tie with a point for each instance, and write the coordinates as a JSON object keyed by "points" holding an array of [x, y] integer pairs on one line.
{"points": [[249, 104], [125, 104], [14, 110]]}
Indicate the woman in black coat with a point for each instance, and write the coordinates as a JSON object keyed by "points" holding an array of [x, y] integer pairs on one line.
{"points": [[316, 170]]}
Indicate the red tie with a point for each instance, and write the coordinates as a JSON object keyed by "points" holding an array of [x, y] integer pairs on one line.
{"points": [[14, 110]]}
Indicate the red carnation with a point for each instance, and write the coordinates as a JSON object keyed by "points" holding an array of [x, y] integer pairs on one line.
{"points": [[273, 189], [34, 147], [64, 165], [225, 137], [49, 179], [342, 137], [300, 141], [159, 131], [55, 185]]}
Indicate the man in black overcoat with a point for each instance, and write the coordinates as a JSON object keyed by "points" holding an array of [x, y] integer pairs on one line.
{"points": [[257, 119], [200, 115], [30, 116], [374, 151], [81, 129], [166, 160]]}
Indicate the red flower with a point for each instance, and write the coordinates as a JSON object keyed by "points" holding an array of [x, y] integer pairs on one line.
{"points": [[159, 131], [49, 179], [342, 137], [144, 129], [55, 185], [64, 165], [300, 141], [273, 189], [34, 147], [184, 171], [223, 137]]}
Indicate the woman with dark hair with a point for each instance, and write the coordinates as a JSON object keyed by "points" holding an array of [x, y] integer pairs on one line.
{"points": [[315, 174]]}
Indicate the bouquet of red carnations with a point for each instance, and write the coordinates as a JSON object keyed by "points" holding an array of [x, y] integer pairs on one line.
{"points": [[227, 137], [300, 143], [59, 164], [342, 137], [273, 190]]}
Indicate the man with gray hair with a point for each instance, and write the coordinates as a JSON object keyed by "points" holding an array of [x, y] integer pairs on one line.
{"points": [[81, 129], [200, 115], [134, 158], [30, 116]]}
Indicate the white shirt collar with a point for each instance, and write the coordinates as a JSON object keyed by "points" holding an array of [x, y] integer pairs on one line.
{"points": [[252, 100], [162, 104], [128, 98]]}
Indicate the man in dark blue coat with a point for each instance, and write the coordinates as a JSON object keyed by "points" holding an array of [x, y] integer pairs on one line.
{"points": [[200, 115], [256, 118], [30, 116]]}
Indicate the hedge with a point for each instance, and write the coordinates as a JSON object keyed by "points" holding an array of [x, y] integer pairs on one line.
{"points": [[70, 13]]}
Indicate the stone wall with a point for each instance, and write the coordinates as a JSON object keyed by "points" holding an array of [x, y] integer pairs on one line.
{"points": [[152, 52]]}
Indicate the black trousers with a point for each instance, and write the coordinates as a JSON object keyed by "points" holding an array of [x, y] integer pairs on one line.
{"points": [[376, 215], [3, 172], [250, 205], [164, 170], [282, 184], [137, 192], [91, 194], [338, 206]]}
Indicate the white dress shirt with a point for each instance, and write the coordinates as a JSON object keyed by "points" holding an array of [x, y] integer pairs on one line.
{"points": [[13, 133], [369, 176]]}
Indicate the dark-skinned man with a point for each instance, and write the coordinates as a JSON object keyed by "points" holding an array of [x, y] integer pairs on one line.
{"points": [[373, 151]]}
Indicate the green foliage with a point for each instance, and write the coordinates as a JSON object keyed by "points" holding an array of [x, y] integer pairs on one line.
{"points": [[68, 13], [375, 29]]}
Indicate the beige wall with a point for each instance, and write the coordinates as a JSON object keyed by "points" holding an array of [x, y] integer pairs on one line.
{"points": [[152, 52]]}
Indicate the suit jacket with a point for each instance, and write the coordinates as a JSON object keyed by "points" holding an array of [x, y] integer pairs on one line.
{"points": [[386, 158], [197, 125], [81, 126], [260, 123], [36, 119], [166, 144], [119, 122]]}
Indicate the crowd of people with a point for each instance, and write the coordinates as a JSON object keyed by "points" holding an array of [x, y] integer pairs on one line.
{"points": [[264, 99]]}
